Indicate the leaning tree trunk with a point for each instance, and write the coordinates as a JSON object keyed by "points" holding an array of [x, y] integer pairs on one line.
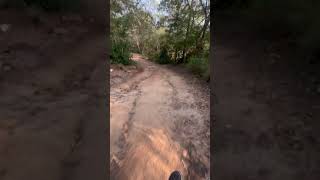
{"points": [[199, 44], [187, 32]]}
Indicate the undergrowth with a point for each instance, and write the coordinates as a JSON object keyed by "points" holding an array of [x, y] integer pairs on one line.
{"points": [[199, 66]]}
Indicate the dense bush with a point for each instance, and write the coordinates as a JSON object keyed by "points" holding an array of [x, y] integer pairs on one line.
{"points": [[121, 47], [120, 53], [163, 57], [200, 66]]}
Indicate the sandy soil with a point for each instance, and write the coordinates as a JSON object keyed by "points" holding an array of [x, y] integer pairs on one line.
{"points": [[159, 123], [52, 121]]}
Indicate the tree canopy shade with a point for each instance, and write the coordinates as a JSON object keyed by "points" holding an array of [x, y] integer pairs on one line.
{"points": [[177, 31], [187, 25]]}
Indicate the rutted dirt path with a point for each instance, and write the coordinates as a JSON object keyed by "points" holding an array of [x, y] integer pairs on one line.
{"points": [[159, 123]]}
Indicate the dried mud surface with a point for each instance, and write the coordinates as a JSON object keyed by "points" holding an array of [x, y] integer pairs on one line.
{"points": [[159, 123]]}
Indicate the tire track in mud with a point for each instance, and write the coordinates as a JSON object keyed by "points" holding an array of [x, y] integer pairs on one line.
{"points": [[122, 142], [123, 94]]}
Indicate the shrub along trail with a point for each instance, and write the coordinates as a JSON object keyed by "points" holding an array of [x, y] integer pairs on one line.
{"points": [[159, 123]]}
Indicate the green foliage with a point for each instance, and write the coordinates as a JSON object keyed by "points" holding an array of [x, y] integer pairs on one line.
{"points": [[120, 44], [142, 32], [181, 33], [120, 54], [187, 27], [163, 57], [199, 66]]}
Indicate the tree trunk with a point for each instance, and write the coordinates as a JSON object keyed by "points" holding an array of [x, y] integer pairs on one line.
{"points": [[199, 44], [202, 34], [175, 54], [187, 32]]}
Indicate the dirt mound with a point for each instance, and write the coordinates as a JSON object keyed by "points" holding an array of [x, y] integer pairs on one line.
{"points": [[120, 73]]}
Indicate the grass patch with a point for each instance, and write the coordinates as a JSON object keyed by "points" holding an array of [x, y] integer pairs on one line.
{"points": [[163, 57], [199, 66]]}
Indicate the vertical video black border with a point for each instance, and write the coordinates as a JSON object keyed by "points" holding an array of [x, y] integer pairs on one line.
{"points": [[107, 82]]}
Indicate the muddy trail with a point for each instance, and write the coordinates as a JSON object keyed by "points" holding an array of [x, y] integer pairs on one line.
{"points": [[159, 122], [52, 86]]}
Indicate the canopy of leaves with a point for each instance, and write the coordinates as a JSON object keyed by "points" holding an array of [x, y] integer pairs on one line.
{"points": [[179, 32]]}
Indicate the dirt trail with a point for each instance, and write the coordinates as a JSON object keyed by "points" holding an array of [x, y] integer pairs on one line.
{"points": [[159, 123], [52, 123]]}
